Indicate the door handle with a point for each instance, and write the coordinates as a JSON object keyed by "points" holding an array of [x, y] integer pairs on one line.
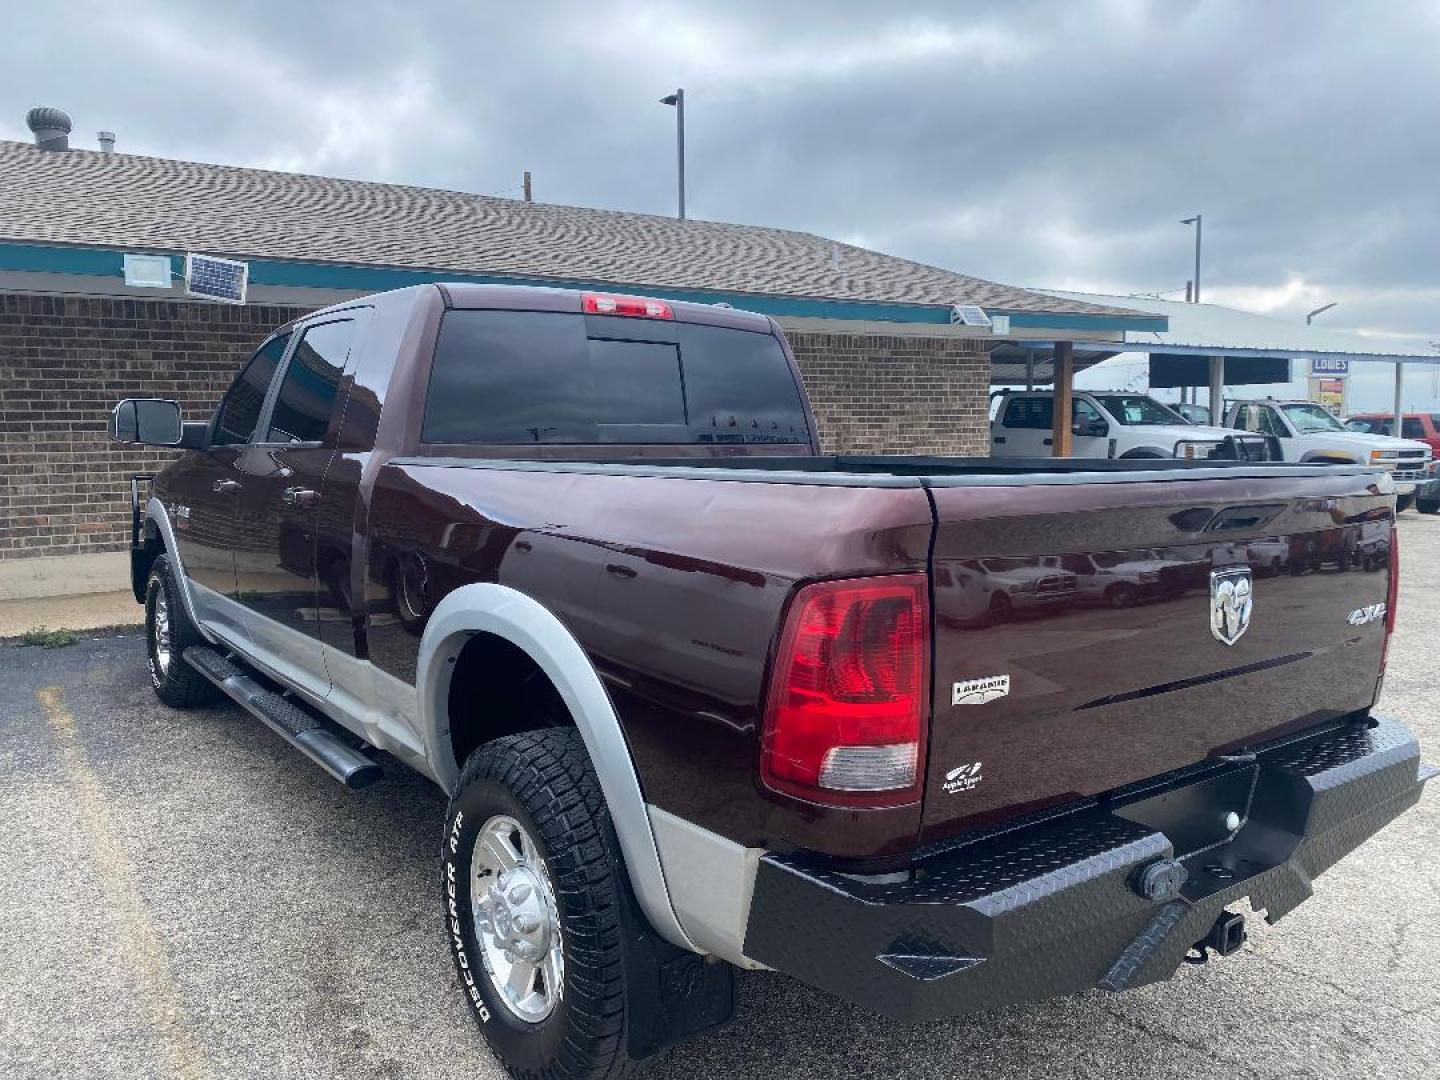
{"points": [[225, 487], [619, 571], [998, 439], [1049, 442], [301, 497]]}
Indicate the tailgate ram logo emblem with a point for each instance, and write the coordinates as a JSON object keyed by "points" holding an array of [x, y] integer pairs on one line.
{"points": [[1232, 595]]}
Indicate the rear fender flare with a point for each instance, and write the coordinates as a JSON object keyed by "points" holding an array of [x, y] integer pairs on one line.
{"points": [[509, 614]]}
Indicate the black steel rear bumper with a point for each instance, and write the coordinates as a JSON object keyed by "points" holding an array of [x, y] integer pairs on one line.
{"points": [[1056, 907]]}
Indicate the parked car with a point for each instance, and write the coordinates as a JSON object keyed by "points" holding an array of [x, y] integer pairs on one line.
{"points": [[702, 697], [990, 591], [1112, 424], [1307, 432], [1268, 556], [1422, 427], [1120, 579]]}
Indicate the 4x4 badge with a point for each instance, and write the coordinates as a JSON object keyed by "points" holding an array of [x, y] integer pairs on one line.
{"points": [[1232, 596]]}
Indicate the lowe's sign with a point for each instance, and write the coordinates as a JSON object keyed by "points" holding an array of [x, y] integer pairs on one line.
{"points": [[1329, 366]]}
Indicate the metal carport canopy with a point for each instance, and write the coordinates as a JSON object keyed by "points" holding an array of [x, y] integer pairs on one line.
{"points": [[1217, 332]]}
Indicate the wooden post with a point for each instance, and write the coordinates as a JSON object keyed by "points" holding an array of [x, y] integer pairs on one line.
{"points": [[527, 186], [1060, 434]]}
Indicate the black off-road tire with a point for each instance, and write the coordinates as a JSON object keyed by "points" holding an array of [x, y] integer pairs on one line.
{"points": [[1428, 506], [177, 684], [1403, 503], [543, 780]]}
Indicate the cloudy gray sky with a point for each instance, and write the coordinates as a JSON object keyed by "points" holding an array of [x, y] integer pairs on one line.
{"points": [[1032, 143]]}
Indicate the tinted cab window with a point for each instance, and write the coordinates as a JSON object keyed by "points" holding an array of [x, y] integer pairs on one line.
{"points": [[1029, 412], [312, 380], [240, 411], [528, 377], [1038, 413]]}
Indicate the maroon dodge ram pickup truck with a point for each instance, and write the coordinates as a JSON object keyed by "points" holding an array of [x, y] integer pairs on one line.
{"points": [[702, 697]]}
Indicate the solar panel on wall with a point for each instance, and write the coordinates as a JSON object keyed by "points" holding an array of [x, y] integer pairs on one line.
{"points": [[216, 279]]}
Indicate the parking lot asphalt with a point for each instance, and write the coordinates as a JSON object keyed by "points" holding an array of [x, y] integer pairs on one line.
{"points": [[181, 895]]}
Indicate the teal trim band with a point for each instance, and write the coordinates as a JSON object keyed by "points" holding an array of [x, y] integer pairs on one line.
{"points": [[101, 262], [1075, 321]]}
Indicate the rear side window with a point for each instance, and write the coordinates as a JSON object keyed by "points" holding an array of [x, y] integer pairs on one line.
{"points": [[526, 377], [1030, 412], [312, 381], [240, 410], [1413, 428]]}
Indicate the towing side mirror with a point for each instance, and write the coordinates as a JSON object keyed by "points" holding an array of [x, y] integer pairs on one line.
{"points": [[147, 421], [1092, 428]]}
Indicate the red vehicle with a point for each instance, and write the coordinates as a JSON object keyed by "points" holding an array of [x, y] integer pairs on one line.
{"points": [[704, 697], [1424, 427]]}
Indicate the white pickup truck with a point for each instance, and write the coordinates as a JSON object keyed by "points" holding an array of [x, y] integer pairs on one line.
{"points": [[1307, 433], [1113, 424]]}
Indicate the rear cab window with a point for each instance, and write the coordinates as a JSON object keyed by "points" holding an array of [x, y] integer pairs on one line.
{"points": [[540, 377], [1038, 413], [1029, 412]]}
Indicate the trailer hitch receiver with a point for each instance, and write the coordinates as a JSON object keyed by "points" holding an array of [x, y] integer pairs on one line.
{"points": [[1226, 936]]}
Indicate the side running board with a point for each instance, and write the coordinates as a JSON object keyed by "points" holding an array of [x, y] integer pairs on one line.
{"points": [[296, 725]]}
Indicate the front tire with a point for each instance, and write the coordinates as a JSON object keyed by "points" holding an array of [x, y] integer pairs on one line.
{"points": [[168, 633], [1403, 503], [533, 887], [1121, 595], [1428, 506]]}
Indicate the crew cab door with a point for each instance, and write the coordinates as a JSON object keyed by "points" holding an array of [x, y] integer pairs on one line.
{"points": [[204, 487], [1023, 427], [282, 555]]}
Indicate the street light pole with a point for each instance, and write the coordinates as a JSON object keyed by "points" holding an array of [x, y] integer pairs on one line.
{"points": [[1196, 221], [678, 100], [1319, 311]]}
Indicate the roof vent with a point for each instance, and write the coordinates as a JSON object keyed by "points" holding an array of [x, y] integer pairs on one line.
{"points": [[107, 141], [51, 127]]}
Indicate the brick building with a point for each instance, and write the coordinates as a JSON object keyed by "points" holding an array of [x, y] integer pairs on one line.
{"points": [[886, 368]]}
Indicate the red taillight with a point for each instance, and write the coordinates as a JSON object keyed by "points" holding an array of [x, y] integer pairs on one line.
{"points": [[637, 307], [845, 719]]}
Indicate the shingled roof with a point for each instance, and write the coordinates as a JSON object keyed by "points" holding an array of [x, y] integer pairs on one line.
{"points": [[83, 197]]}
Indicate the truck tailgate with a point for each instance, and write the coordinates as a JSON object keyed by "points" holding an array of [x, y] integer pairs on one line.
{"points": [[1079, 626]]}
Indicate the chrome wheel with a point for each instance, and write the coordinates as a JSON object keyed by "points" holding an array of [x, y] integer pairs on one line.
{"points": [[162, 633], [517, 922]]}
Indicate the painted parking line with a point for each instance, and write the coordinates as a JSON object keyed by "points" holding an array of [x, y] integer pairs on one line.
{"points": [[139, 943]]}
